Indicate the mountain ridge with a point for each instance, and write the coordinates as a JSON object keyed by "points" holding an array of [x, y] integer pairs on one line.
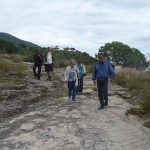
{"points": [[16, 41]]}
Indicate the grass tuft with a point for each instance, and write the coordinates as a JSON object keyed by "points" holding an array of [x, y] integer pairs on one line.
{"points": [[147, 124], [56, 77]]}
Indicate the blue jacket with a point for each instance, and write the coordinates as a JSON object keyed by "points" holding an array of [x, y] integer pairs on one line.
{"points": [[103, 70]]}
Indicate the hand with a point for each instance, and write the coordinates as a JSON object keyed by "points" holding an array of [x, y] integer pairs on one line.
{"points": [[111, 80], [94, 82], [66, 81]]}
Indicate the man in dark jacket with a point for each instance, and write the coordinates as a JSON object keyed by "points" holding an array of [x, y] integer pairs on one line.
{"points": [[101, 72], [38, 59]]}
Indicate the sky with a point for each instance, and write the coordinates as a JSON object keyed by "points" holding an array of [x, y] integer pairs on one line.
{"points": [[85, 25]]}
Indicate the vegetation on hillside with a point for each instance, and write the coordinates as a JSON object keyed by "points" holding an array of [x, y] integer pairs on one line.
{"points": [[12, 45], [7, 47], [62, 57]]}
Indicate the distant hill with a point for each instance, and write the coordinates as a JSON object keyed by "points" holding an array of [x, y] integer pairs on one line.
{"points": [[16, 41]]}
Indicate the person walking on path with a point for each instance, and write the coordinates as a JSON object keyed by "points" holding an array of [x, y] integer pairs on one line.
{"points": [[48, 61], [38, 60], [102, 70], [70, 78], [81, 74]]}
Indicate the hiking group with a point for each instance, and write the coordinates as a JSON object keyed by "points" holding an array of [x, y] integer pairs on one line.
{"points": [[75, 72], [48, 62]]}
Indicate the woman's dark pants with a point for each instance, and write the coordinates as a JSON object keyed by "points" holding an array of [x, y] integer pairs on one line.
{"points": [[39, 66], [80, 85]]}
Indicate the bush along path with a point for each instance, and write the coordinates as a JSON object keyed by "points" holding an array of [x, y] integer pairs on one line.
{"points": [[47, 120]]}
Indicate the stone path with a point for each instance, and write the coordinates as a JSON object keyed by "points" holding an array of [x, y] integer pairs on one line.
{"points": [[65, 125]]}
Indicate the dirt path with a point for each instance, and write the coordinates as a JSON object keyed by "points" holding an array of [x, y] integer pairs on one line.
{"points": [[61, 124]]}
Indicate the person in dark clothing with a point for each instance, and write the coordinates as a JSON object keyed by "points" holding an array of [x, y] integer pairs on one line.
{"points": [[38, 60], [81, 74], [101, 72]]}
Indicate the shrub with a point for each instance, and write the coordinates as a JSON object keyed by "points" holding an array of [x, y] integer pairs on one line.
{"points": [[146, 101], [89, 68], [28, 58]]}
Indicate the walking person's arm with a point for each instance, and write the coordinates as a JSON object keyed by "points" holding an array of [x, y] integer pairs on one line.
{"points": [[94, 75], [111, 73], [66, 75], [84, 70], [41, 57]]}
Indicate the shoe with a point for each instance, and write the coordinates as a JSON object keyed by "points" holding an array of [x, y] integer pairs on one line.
{"points": [[73, 99], [101, 107], [106, 103], [49, 79]]}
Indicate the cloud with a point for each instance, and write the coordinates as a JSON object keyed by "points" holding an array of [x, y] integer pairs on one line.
{"points": [[83, 24]]}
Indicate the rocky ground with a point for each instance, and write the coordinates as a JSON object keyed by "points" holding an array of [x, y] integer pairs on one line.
{"points": [[37, 115]]}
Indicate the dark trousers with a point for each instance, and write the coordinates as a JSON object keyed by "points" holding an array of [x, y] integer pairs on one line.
{"points": [[102, 85], [39, 66], [80, 85], [72, 89]]}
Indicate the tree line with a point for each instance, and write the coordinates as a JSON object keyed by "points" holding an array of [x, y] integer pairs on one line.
{"points": [[116, 52]]}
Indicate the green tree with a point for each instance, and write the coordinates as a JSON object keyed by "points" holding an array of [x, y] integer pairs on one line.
{"points": [[122, 54]]}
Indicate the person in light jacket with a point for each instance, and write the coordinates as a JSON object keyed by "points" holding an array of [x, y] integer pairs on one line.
{"points": [[102, 70], [70, 78], [48, 61]]}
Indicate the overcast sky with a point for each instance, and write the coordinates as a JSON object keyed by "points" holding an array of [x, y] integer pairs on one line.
{"points": [[83, 24]]}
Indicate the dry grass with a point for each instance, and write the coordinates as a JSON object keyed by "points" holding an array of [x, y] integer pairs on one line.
{"points": [[133, 79], [12, 57], [138, 83], [11, 68]]}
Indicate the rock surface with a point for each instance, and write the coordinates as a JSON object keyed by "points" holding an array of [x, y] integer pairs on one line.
{"points": [[56, 123]]}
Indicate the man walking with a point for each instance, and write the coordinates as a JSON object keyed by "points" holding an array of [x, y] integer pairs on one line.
{"points": [[101, 72]]}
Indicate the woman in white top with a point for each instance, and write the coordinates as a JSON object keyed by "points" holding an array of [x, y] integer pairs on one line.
{"points": [[48, 63], [70, 78]]}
